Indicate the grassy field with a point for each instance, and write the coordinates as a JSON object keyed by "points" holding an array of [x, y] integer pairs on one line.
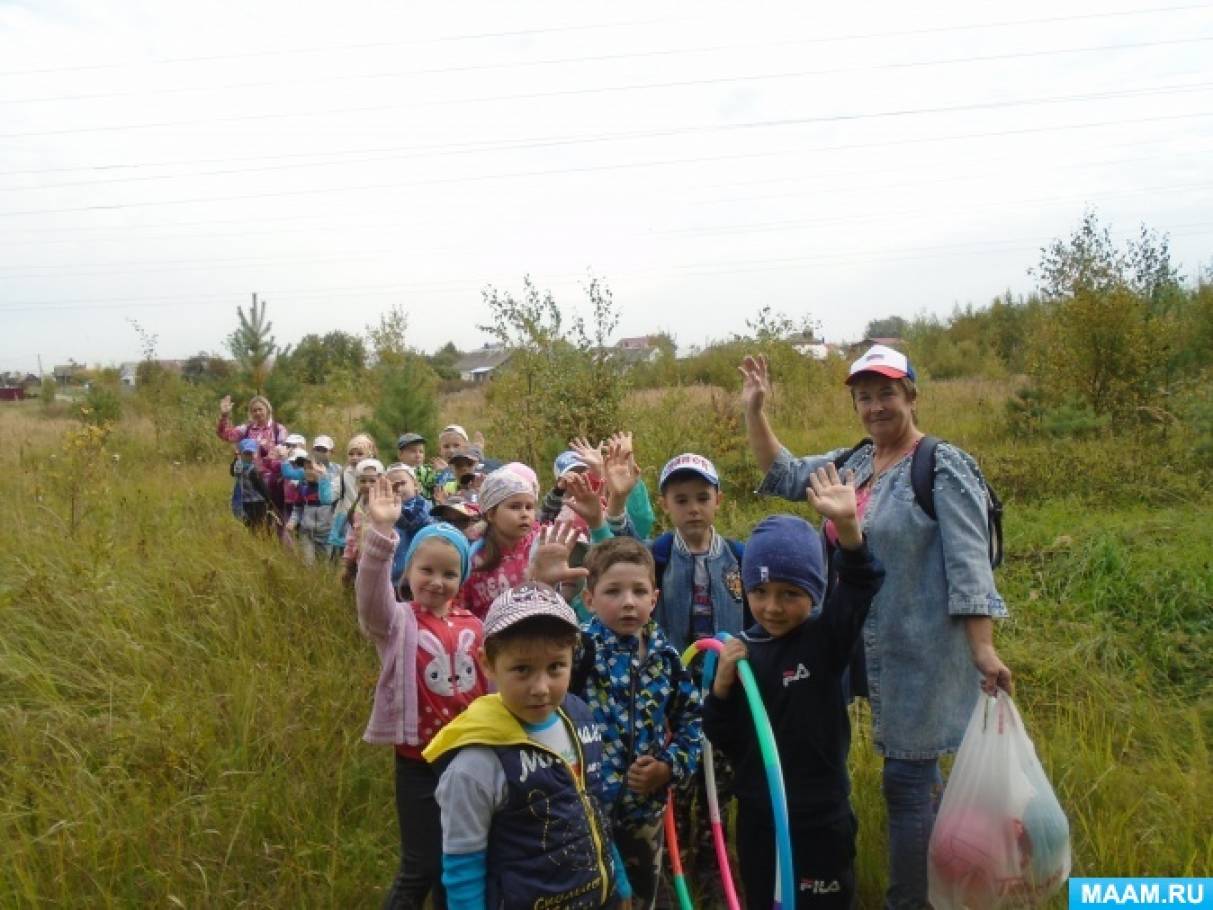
{"points": [[181, 706]]}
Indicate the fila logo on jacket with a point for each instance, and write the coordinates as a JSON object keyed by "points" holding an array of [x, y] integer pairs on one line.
{"points": [[791, 676]]}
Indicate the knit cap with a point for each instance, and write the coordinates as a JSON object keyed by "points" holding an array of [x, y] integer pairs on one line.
{"points": [[500, 486], [785, 548], [451, 535]]}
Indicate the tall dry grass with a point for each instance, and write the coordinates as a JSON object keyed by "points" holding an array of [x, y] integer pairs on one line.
{"points": [[181, 705]]}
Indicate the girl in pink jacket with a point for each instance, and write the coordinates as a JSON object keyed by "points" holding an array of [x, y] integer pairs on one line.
{"points": [[427, 648]]}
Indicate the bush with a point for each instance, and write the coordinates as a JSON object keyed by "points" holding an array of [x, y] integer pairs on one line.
{"points": [[102, 405]]}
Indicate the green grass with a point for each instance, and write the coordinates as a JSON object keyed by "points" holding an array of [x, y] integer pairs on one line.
{"points": [[181, 706]]}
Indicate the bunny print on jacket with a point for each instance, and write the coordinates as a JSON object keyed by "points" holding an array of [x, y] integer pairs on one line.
{"points": [[447, 674]]}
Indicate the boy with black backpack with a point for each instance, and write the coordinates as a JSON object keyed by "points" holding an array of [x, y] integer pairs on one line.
{"points": [[698, 572]]}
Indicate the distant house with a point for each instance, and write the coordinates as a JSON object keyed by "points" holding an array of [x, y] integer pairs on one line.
{"points": [[858, 347], [634, 351], [479, 366], [128, 373], [67, 374], [809, 346]]}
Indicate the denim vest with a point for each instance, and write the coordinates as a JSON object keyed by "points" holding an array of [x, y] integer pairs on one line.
{"points": [[549, 845], [922, 684]]}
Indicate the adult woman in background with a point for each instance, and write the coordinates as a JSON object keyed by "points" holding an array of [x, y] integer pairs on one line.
{"points": [[928, 640]]}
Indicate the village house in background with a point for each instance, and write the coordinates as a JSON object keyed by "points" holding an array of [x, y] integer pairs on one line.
{"points": [[858, 347], [478, 366], [637, 350], [18, 386]]}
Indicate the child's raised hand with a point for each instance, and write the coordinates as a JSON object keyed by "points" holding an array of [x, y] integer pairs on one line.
{"points": [[726, 667], [478, 440], [582, 499], [438, 464], [648, 774], [755, 384], [589, 453], [621, 470], [550, 561], [382, 505], [225, 405], [834, 499]]}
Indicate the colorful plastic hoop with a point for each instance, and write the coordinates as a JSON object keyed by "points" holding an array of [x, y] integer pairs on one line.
{"points": [[785, 881], [671, 840]]}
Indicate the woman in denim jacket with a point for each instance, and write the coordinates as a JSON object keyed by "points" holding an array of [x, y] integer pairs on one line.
{"points": [[928, 640]]}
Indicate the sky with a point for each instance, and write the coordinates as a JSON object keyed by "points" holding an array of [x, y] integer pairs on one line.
{"points": [[161, 161]]}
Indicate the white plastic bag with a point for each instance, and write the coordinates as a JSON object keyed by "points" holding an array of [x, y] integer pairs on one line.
{"points": [[1000, 838]]}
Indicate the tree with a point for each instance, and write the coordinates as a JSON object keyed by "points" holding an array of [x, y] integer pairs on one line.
{"points": [[889, 327], [443, 361], [1111, 336], [252, 344], [407, 402], [388, 339], [559, 382], [315, 359], [206, 368]]}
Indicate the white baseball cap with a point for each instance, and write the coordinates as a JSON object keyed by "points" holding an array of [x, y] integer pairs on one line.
{"points": [[296, 439], [323, 442], [886, 361]]}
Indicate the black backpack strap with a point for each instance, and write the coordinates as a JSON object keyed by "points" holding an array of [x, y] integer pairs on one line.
{"points": [[849, 453], [922, 474], [661, 548]]}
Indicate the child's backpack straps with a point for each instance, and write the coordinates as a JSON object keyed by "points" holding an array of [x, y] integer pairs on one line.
{"points": [[661, 549]]}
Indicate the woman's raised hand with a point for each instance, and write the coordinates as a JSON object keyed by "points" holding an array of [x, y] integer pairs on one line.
{"points": [[755, 384], [225, 405], [830, 495], [382, 505]]}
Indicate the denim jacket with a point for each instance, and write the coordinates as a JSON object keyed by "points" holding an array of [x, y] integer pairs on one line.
{"points": [[677, 585], [922, 684]]}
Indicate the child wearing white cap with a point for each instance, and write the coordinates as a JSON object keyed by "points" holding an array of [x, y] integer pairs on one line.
{"points": [[367, 472]]}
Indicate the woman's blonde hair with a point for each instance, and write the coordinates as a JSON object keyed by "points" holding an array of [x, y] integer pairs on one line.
{"points": [[261, 399]]}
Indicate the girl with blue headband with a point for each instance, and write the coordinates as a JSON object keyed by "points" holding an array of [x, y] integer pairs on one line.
{"points": [[427, 648]]}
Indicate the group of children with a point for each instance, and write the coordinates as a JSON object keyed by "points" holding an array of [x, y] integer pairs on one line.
{"points": [[531, 680], [532, 688]]}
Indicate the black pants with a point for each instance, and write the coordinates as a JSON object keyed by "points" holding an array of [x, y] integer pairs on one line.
{"points": [[420, 820], [257, 516], [640, 849], [824, 857]]}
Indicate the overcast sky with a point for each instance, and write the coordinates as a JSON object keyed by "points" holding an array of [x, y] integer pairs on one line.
{"points": [[161, 161]]}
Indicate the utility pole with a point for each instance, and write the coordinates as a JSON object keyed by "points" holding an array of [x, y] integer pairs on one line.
{"points": [[41, 378]]}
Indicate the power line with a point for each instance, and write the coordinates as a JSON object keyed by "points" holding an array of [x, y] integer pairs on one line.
{"points": [[977, 26], [696, 269], [758, 124], [1014, 55], [62, 269], [125, 231], [363, 109], [364, 46], [464, 148]]}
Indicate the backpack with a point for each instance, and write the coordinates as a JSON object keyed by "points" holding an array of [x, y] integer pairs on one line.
{"points": [[922, 480]]}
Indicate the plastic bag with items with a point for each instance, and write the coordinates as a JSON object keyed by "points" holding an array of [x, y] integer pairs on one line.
{"points": [[1000, 839]]}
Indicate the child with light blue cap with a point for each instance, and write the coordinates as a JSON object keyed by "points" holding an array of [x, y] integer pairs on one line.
{"points": [[427, 650]]}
